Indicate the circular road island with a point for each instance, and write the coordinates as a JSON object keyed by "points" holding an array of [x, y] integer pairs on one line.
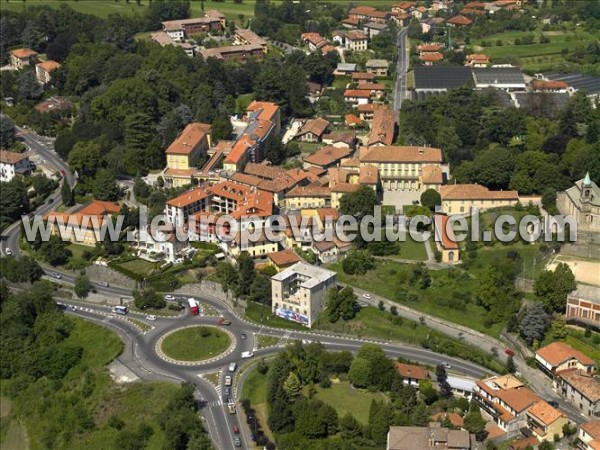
{"points": [[196, 343]]}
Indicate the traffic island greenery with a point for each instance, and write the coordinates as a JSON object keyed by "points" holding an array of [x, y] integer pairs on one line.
{"points": [[195, 343]]}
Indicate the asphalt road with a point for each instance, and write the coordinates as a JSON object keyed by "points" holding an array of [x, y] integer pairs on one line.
{"points": [[401, 69]]}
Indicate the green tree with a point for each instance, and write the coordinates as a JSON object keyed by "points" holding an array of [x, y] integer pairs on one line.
{"points": [[534, 323], [383, 372], [341, 304], [29, 88], [105, 188], [7, 131], [510, 364], [66, 193], [221, 128], [148, 298], [442, 380], [379, 422], [360, 373], [427, 391], [274, 150], [85, 158], [359, 203], [246, 274], [292, 385], [559, 327], [82, 286], [350, 427], [358, 262], [473, 421], [431, 198], [55, 251], [552, 287]]}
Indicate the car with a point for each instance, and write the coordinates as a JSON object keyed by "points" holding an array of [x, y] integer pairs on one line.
{"points": [[104, 283], [8, 251], [367, 296], [225, 399], [246, 355], [57, 275], [237, 442], [224, 322], [553, 403], [151, 317], [446, 365], [72, 308], [236, 430], [50, 201], [509, 352], [169, 298], [227, 391], [231, 408], [228, 380], [243, 336]]}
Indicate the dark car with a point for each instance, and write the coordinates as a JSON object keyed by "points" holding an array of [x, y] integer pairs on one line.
{"points": [[227, 391], [553, 403], [243, 335]]}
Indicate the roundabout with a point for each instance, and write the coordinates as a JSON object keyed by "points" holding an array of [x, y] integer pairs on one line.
{"points": [[195, 345]]}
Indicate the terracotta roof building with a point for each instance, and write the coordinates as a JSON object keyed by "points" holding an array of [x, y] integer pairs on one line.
{"points": [[546, 421], [313, 130], [43, 71], [431, 57], [454, 418], [589, 435], [327, 157], [283, 259], [477, 60], [459, 21], [12, 163], [446, 240], [22, 57], [411, 374], [429, 438], [382, 127], [559, 356], [579, 388], [461, 198]]}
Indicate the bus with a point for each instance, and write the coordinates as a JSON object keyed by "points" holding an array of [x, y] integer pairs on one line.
{"points": [[120, 310], [193, 306]]}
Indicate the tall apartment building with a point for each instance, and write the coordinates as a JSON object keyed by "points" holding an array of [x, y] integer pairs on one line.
{"points": [[299, 293], [185, 152]]}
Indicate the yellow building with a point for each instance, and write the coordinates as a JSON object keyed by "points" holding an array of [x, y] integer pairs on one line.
{"points": [[82, 227], [308, 197], [185, 152], [401, 168], [545, 421], [461, 198]]}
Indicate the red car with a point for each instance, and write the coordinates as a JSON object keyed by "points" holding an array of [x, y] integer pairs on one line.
{"points": [[222, 321], [236, 430], [509, 352]]}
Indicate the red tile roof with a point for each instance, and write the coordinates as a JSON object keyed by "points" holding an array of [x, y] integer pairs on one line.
{"points": [[48, 66], [541, 85], [363, 76], [445, 233], [400, 154], [583, 382], [545, 413], [7, 157], [357, 93], [460, 20], [189, 197], [353, 120], [474, 192], [382, 127], [431, 56], [518, 399], [284, 258], [432, 175], [327, 155], [454, 418], [433, 47], [269, 109], [592, 428], [411, 371], [22, 53], [239, 149], [315, 126], [190, 137], [557, 353]]}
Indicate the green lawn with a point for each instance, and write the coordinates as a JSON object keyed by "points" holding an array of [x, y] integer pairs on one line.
{"points": [[78, 249], [266, 341], [262, 315], [346, 399], [138, 266], [195, 343], [341, 81], [309, 147], [100, 8], [255, 390], [412, 250]]}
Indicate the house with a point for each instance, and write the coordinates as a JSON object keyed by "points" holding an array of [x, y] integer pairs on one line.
{"points": [[22, 57], [349, 179], [428, 58], [366, 111], [313, 130], [161, 244], [431, 47], [432, 23], [84, 225], [352, 120], [411, 374], [179, 30], [327, 49], [462, 387], [13, 163], [368, 13], [350, 23], [472, 12], [340, 139], [256, 246], [549, 86], [54, 103], [583, 306], [379, 67], [588, 436], [382, 127], [185, 152], [429, 438], [356, 41], [307, 197], [373, 28], [377, 89], [506, 399], [459, 21], [326, 157], [43, 71], [503, 78], [361, 77], [326, 251], [403, 7], [180, 208], [545, 422], [283, 259], [163, 39], [582, 201], [477, 60], [559, 356], [461, 198], [524, 444], [357, 96], [314, 40], [299, 293], [432, 177], [345, 69], [400, 167], [580, 389], [238, 53], [245, 36], [446, 240], [456, 420]]}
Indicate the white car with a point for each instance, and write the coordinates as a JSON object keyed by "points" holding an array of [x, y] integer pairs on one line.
{"points": [[8, 251], [169, 298], [246, 355], [151, 317], [367, 296]]}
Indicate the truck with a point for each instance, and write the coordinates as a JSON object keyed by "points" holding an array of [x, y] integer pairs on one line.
{"points": [[223, 321], [194, 308], [120, 310]]}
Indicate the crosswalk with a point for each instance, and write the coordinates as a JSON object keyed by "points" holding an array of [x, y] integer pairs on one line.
{"points": [[214, 404]]}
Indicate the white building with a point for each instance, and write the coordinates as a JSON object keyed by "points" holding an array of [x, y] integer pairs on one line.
{"points": [[12, 163], [162, 244], [299, 292]]}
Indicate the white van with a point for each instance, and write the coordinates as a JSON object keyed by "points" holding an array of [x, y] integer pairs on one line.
{"points": [[232, 367], [227, 380]]}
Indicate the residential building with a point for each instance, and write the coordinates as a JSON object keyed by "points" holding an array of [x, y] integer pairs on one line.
{"points": [[502, 78], [373, 28], [461, 198], [352, 120], [362, 77], [581, 389], [314, 40], [382, 128], [357, 96], [84, 225], [22, 57], [462, 387], [349, 179], [43, 71], [506, 399], [379, 67], [256, 247], [588, 436], [456, 420], [239, 53], [313, 130], [429, 58], [432, 177], [245, 36], [446, 240], [429, 438], [180, 208], [163, 39], [299, 293], [583, 305], [559, 356], [345, 69], [400, 168], [161, 244], [340, 139], [327, 157], [549, 86], [368, 13], [477, 60], [459, 21], [545, 422], [283, 259], [179, 30], [12, 163], [308, 197], [366, 111], [185, 152], [376, 89], [404, 7], [411, 374], [326, 251], [583, 202], [54, 103], [432, 23]]}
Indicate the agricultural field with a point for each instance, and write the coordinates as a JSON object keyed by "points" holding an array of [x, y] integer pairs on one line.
{"points": [[100, 8]]}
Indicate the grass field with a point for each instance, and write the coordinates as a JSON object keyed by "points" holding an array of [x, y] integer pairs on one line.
{"points": [[139, 266], [100, 8], [13, 435], [78, 249], [195, 343], [266, 341], [255, 390], [345, 399], [263, 315], [412, 250]]}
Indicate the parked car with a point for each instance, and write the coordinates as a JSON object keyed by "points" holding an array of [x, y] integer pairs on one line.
{"points": [[8, 251], [228, 380], [236, 430], [169, 298], [227, 391], [231, 408], [104, 283], [509, 352], [553, 403], [246, 355], [367, 296]]}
